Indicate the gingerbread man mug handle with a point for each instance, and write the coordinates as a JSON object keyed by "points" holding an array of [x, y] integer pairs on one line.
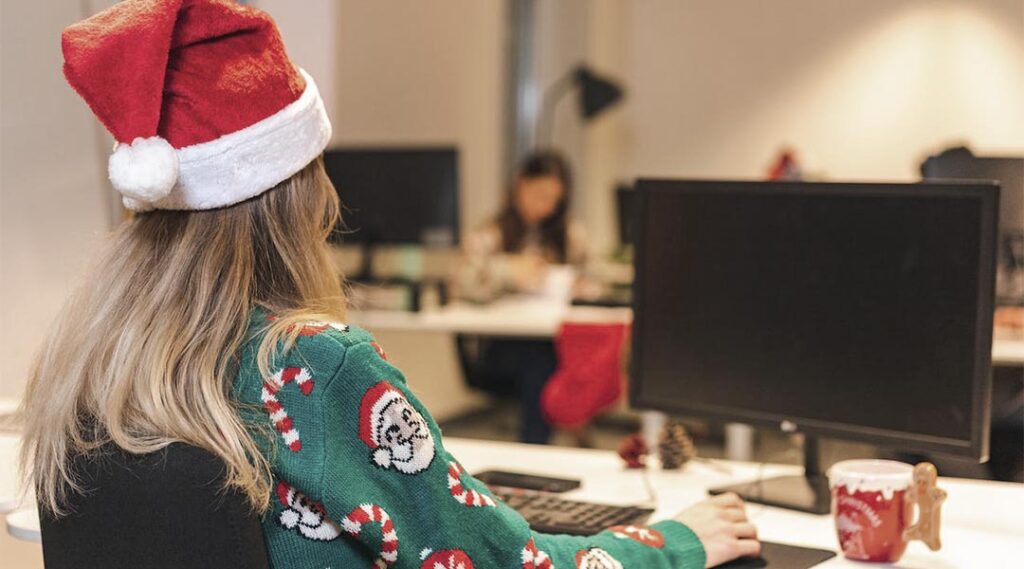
{"points": [[928, 497]]}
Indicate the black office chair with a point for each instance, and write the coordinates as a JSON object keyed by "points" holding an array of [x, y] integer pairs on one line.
{"points": [[165, 510]]}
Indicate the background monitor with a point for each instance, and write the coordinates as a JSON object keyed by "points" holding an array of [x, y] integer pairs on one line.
{"points": [[401, 196], [960, 163], [624, 208], [859, 311], [1009, 172]]}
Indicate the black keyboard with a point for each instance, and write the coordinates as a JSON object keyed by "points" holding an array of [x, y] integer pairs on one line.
{"points": [[549, 514]]}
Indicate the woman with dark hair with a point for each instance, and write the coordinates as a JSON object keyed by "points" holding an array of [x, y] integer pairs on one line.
{"points": [[513, 253]]}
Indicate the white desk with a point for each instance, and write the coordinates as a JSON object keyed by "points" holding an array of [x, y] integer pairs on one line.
{"points": [[981, 520], [509, 317], [517, 317], [524, 317], [1008, 352]]}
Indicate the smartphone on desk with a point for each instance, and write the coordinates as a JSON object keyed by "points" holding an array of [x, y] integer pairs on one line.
{"points": [[523, 481]]}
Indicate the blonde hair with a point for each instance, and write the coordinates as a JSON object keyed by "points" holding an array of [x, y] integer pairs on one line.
{"points": [[145, 352]]}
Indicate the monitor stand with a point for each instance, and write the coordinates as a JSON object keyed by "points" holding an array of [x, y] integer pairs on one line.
{"points": [[808, 493], [366, 253]]}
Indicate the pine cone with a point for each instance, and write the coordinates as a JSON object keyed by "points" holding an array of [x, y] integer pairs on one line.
{"points": [[675, 446]]}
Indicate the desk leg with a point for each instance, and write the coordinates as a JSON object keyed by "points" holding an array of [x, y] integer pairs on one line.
{"points": [[739, 442]]}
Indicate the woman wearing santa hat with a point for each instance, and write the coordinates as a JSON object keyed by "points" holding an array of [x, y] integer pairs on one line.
{"points": [[208, 321]]}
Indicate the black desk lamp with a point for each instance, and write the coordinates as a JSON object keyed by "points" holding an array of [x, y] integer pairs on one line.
{"points": [[596, 94]]}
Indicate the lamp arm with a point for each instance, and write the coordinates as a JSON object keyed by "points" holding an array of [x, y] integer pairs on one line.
{"points": [[552, 96]]}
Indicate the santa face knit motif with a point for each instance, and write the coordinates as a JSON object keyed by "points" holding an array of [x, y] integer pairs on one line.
{"points": [[596, 558], [305, 515], [394, 430], [446, 559], [282, 422]]}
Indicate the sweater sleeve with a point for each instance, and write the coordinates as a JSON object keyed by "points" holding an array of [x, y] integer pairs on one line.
{"points": [[387, 482]]}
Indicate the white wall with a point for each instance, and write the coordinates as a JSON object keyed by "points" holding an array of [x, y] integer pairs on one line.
{"points": [[406, 73], [308, 30], [426, 73], [53, 196], [861, 89]]}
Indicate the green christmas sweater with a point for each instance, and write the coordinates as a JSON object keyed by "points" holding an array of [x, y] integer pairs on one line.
{"points": [[362, 478]]}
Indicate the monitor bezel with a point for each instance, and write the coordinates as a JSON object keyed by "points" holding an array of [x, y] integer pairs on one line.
{"points": [[977, 447]]}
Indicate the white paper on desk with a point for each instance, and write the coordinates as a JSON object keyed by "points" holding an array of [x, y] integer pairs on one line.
{"points": [[558, 284]]}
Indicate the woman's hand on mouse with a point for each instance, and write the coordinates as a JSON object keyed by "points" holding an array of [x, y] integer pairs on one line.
{"points": [[723, 529]]}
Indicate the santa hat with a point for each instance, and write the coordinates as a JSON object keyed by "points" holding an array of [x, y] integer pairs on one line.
{"points": [[445, 559], [206, 108], [371, 411]]}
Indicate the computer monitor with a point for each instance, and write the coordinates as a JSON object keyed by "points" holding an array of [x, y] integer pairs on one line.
{"points": [[960, 163], [624, 208], [395, 196], [1009, 172], [857, 311]]}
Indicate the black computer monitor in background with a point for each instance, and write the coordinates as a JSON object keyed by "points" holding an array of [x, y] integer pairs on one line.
{"points": [[960, 163], [624, 209], [395, 196], [856, 311]]}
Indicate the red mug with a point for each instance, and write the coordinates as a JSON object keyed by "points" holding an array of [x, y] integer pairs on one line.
{"points": [[874, 503]]}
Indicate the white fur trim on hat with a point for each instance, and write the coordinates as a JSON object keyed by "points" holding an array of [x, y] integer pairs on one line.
{"points": [[145, 170], [245, 163]]}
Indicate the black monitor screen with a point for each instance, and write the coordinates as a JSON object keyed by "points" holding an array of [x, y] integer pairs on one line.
{"points": [[1009, 172], [624, 207], [396, 195], [848, 309]]}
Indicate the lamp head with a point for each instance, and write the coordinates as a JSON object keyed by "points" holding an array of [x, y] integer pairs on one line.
{"points": [[596, 93]]}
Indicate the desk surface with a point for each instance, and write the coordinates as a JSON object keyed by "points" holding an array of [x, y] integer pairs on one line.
{"points": [[981, 522], [531, 318], [509, 317]]}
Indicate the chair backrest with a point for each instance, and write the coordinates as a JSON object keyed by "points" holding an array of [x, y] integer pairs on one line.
{"points": [[164, 510]]}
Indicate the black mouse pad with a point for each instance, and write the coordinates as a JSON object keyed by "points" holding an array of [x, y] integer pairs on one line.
{"points": [[781, 556]]}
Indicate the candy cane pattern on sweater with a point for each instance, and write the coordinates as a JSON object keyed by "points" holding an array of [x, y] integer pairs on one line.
{"points": [[463, 495], [640, 534], [282, 422], [534, 558], [372, 513]]}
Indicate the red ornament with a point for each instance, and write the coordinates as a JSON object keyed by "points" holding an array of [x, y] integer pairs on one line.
{"points": [[633, 450]]}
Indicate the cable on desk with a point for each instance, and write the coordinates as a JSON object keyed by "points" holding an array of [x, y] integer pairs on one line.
{"points": [[652, 495]]}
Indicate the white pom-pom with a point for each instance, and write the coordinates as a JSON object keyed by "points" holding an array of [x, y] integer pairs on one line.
{"points": [[289, 518], [382, 457], [145, 170]]}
